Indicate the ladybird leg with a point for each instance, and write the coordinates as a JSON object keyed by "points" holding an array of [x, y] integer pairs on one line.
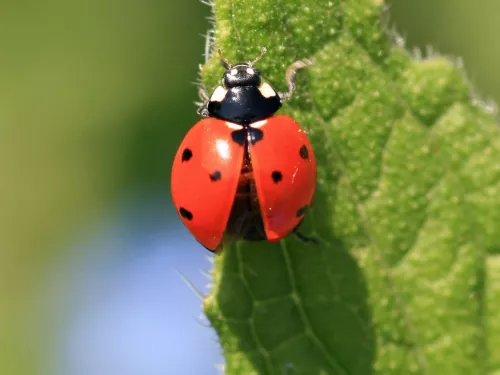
{"points": [[306, 239], [202, 109], [302, 237], [203, 95], [290, 73], [202, 106]]}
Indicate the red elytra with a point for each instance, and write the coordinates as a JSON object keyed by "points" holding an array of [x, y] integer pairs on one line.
{"points": [[208, 169], [243, 172]]}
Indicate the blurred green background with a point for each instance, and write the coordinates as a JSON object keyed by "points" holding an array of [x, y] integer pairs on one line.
{"points": [[95, 97]]}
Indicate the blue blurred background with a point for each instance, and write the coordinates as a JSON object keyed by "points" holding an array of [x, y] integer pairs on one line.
{"points": [[95, 97]]}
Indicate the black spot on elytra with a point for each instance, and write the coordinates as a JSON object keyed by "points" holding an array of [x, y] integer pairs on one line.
{"points": [[277, 176], [254, 135], [216, 176], [239, 136], [301, 211], [303, 152], [186, 214], [187, 154]]}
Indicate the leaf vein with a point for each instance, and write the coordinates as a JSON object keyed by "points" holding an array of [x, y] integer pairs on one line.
{"points": [[310, 332], [263, 352]]}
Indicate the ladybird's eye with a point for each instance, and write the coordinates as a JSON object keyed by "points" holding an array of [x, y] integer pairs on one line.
{"points": [[250, 71]]}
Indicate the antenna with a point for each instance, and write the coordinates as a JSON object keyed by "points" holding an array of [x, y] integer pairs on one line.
{"points": [[223, 59], [262, 52]]}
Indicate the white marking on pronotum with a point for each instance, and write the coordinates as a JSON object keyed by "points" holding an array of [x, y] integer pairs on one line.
{"points": [[266, 90], [234, 72], [234, 126], [219, 94], [250, 71], [258, 124]]}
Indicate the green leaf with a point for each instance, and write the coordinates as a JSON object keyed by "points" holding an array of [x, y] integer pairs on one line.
{"points": [[406, 210], [493, 303]]}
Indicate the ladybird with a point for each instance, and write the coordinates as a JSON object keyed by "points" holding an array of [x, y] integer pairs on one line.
{"points": [[242, 171]]}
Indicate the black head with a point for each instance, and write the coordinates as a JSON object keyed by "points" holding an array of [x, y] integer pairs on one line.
{"points": [[241, 75]]}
